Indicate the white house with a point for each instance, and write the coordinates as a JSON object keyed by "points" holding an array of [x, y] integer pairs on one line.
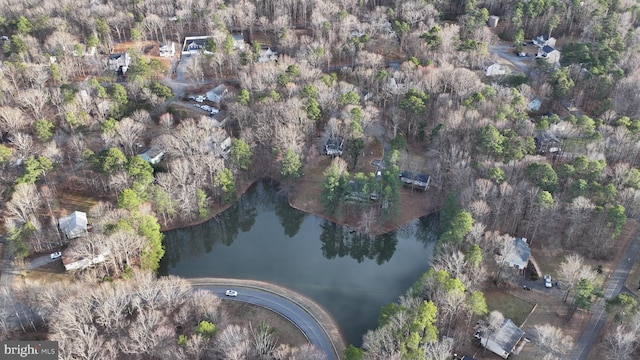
{"points": [[168, 49], [238, 42], [493, 21], [152, 155], [494, 69], [266, 54], [194, 44], [217, 93], [534, 105], [74, 225], [119, 62], [504, 341], [544, 40], [550, 54]]}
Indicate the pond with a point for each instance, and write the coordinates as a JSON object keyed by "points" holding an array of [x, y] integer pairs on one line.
{"points": [[262, 238]]}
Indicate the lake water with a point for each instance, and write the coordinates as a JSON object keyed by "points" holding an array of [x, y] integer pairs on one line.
{"points": [[262, 238]]}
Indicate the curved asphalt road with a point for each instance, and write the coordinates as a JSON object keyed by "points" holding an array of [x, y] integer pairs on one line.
{"points": [[280, 305]]}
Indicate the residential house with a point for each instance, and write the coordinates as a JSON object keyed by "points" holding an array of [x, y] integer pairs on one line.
{"points": [[494, 69], [504, 341], [238, 42], [519, 257], [546, 143], [194, 44], [334, 146], [415, 180], [534, 105], [152, 155], [544, 40], [493, 21], [550, 54], [119, 62], [266, 54], [217, 93], [168, 49], [225, 147], [74, 225]]}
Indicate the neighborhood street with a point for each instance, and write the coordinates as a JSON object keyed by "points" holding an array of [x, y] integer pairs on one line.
{"points": [[612, 288], [285, 307]]}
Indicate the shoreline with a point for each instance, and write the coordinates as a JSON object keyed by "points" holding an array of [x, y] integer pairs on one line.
{"points": [[345, 222]]}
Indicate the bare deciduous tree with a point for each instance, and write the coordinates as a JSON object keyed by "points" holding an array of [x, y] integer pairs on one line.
{"points": [[12, 119], [553, 341], [571, 270]]}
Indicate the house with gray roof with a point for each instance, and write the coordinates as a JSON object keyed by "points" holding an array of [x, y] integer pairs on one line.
{"points": [[152, 155], [74, 225], [546, 143], [550, 54], [504, 341], [519, 258]]}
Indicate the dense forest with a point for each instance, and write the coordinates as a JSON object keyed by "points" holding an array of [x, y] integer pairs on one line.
{"points": [[407, 77]]}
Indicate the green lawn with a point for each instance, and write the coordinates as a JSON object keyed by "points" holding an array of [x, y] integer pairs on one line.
{"points": [[510, 306]]}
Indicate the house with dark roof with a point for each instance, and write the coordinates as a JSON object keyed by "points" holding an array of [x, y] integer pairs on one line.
{"points": [[74, 225], [546, 143], [504, 341], [334, 146], [543, 40], [415, 180], [119, 62], [194, 44], [549, 53]]}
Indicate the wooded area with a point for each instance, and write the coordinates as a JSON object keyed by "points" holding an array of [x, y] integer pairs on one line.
{"points": [[405, 75]]}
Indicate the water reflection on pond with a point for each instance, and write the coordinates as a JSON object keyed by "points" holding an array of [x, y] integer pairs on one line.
{"points": [[261, 237]]}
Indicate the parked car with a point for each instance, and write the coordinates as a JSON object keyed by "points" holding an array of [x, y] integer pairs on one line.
{"points": [[55, 255], [547, 281], [201, 98], [232, 293]]}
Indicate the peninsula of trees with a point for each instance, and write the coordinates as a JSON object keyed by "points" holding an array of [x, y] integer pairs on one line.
{"points": [[97, 103]]}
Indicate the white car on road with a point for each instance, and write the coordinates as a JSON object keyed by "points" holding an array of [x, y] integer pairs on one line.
{"points": [[232, 293], [55, 255], [547, 281]]}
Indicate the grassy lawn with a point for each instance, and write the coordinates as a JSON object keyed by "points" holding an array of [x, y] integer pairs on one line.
{"points": [[72, 201], [510, 306]]}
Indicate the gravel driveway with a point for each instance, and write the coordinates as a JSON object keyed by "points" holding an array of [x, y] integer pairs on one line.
{"points": [[506, 52]]}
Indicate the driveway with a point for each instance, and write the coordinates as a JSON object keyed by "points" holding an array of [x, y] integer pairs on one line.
{"points": [[40, 261], [296, 314], [506, 52]]}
